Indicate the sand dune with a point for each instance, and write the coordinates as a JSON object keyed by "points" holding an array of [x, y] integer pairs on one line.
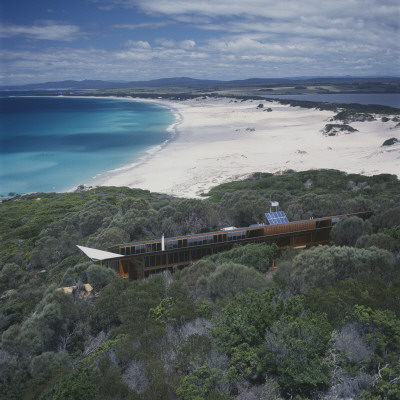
{"points": [[219, 140]]}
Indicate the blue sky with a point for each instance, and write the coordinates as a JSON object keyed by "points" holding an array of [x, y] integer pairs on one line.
{"points": [[53, 40]]}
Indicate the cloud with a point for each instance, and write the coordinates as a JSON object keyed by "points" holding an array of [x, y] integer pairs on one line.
{"points": [[168, 43], [218, 39], [49, 30], [138, 44], [187, 44], [149, 25], [363, 23], [163, 42], [283, 9]]}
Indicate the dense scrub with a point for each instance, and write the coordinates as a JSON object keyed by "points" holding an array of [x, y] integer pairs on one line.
{"points": [[325, 324]]}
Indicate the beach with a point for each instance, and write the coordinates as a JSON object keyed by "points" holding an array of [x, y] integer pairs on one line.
{"points": [[217, 140]]}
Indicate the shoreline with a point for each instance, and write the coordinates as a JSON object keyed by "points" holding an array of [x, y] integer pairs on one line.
{"points": [[165, 131], [146, 154], [223, 139]]}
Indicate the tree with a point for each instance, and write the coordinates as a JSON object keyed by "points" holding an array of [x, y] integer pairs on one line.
{"points": [[195, 216], [99, 276], [348, 230], [75, 274], [349, 341], [393, 232], [296, 348], [311, 205], [259, 256], [56, 242], [92, 216], [379, 240], [245, 319], [199, 384], [243, 207], [381, 330], [106, 307], [109, 237], [338, 300], [189, 276], [321, 266], [75, 385], [10, 275], [45, 362], [388, 218], [230, 278], [261, 332]]}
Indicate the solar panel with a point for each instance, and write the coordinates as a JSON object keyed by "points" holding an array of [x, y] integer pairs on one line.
{"points": [[276, 218]]}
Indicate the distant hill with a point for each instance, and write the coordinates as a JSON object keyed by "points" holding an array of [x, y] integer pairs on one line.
{"points": [[98, 84], [390, 85]]}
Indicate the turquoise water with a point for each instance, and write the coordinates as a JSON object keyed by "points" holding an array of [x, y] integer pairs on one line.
{"points": [[56, 143]]}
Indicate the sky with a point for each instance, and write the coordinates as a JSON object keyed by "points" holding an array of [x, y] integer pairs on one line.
{"points": [[135, 40]]}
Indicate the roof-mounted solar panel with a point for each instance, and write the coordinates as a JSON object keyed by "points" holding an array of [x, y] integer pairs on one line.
{"points": [[276, 218]]}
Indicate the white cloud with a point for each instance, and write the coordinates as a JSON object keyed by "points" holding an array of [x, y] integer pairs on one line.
{"points": [[138, 44], [187, 44], [149, 25], [307, 27], [49, 30], [282, 9], [222, 39], [163, 42]]}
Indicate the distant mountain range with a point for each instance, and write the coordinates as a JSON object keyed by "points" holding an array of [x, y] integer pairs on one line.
{"points": [[188, 83], [98, 84]]}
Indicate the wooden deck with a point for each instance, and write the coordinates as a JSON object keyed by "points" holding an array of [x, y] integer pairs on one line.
{"points": [[147, 257]]}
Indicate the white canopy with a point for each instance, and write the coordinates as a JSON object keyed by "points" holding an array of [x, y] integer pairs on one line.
{"points": [[98, 255]]}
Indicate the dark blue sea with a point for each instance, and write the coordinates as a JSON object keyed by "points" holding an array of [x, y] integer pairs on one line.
{"points": [[56, 143]]}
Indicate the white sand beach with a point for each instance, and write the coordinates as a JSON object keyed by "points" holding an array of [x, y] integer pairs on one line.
{"points": [[221, 139]]}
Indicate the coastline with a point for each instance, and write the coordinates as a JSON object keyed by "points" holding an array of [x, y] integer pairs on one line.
{"points": [[146, 155], [56, 143], [217, 140]]}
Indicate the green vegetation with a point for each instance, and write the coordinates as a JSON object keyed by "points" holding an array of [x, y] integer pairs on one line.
{"points": [[250, 87], [265, 89], [325, 324], [334, 129], [390, 142]]}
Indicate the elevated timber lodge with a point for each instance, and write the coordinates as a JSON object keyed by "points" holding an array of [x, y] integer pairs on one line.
{"points": [[138, 260]]}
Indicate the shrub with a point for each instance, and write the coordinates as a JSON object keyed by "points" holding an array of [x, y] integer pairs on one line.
{"points": [[99, 276], [296, 350], [199, 384], [348, 230], [379, 240], [45, 362], [10, 275], [321, 266], [190, 276], [76, 274], [109, 237], [259, 256], [75, 385], [230, 279]]}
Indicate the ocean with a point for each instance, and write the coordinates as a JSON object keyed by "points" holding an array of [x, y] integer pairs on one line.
{"points": [[52, 144]]}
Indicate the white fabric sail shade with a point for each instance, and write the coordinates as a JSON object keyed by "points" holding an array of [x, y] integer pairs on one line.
{"points": [[98, 255]]}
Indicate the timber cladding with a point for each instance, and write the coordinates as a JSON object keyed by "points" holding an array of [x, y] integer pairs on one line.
{"points": [[142, 259]]}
